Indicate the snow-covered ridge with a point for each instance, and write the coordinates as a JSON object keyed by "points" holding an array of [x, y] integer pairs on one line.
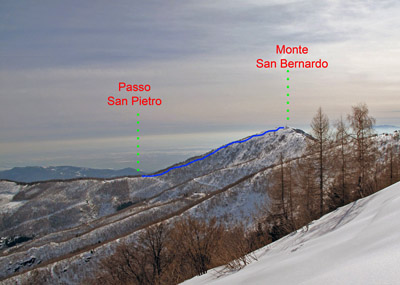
{"points": [[65, 216], [356, 244], [92, 216]]}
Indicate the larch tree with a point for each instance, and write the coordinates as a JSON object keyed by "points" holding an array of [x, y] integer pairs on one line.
{"points": [[290, 192], [341, 141], [318, 147], [362, 132], [282, 185]]}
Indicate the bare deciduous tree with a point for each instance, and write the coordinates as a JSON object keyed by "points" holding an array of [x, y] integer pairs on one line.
{"points": [[341, 142], [141, 262], [320, 131], [364, 149], [198, 240]]}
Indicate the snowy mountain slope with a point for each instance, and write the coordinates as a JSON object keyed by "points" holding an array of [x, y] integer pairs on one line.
{"points": [[103, 213], [356, 244], [65, 217], [54, 199]]}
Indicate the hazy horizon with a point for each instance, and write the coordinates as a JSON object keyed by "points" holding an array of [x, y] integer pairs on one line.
{"points": [[170, 154]]}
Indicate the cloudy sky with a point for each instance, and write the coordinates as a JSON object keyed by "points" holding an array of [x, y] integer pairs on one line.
{"points": [[60, 60]]}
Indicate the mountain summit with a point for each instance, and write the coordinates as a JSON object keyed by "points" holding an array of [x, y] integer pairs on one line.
{"points": [[63, 218]]}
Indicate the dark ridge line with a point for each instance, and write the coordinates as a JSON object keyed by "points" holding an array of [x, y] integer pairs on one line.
{"points": [[218, 149], [174, 214]]}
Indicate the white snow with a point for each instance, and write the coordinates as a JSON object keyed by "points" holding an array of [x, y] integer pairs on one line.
{"points": [[7, 192], [356, 244]]}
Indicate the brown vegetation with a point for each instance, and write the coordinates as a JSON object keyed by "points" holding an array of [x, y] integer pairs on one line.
{"points": [[338, 167], [171, 254]]}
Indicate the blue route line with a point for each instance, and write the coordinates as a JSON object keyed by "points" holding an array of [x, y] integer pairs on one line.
{"points": [[204, 157]]}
